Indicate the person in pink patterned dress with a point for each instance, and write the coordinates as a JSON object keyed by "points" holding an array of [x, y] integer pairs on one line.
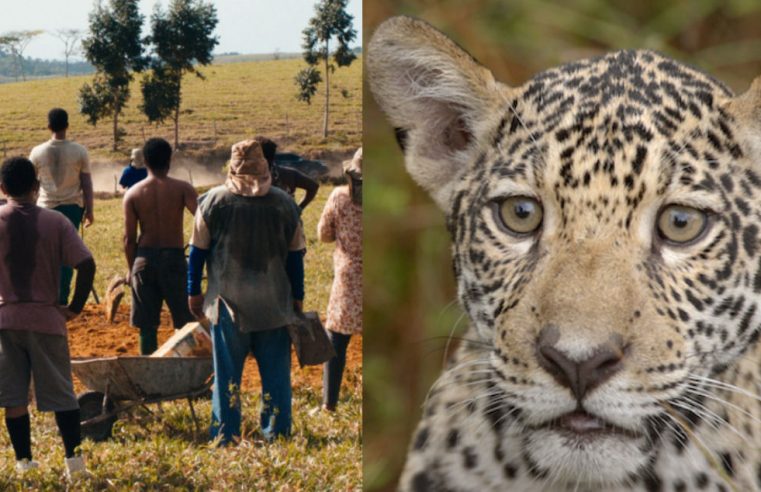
{"points": [[341, 221]]}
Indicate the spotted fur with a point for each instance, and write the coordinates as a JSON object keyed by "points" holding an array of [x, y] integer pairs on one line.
{"points": [[603, 144]]}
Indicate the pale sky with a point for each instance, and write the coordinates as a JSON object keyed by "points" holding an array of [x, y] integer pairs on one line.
{"points": [[245, 26]]}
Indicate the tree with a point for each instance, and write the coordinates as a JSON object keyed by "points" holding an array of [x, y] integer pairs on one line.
{"points": [[330, 21], [5, 48], [16, 43], [115, 49], [183, 39], [70, 38]]}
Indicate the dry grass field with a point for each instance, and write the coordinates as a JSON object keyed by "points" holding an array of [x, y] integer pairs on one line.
{"points": [[235, 101]]}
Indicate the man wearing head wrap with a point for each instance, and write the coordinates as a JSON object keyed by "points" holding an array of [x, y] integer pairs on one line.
{"points": [[248, 234], [135, 171]]}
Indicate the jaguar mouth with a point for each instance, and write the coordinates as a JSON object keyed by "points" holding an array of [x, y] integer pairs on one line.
{"points": [[581, 425]]}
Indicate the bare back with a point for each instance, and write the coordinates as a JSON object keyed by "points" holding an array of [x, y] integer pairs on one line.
{"points": [[156, 205]]}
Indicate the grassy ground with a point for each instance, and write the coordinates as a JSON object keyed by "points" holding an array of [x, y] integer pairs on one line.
{"points": [[147, 453], [164, 454], [235, 101]]}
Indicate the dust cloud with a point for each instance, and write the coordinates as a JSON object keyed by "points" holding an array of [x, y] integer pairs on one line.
{"points": [[106, 174]]}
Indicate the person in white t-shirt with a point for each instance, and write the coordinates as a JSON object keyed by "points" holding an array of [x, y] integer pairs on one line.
{"points": [[63, 169]]}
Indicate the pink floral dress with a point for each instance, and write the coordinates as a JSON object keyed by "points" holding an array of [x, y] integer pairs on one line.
{"points": [[341, 221]]}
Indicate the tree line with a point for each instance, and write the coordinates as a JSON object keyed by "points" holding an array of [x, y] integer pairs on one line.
{"points": [[13, 44], [181, 39]]}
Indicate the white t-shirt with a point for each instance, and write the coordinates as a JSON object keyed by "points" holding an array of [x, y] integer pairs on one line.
{"points": [[58, 164]]}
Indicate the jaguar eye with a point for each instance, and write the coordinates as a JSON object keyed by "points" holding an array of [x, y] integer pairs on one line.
{"points": [[520, 214], [680, 224]]}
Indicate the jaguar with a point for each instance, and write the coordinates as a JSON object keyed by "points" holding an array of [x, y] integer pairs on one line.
{"points": [[605, 219]]}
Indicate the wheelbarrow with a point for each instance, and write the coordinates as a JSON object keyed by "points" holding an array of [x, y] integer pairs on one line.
{"points": [[118, 384]]}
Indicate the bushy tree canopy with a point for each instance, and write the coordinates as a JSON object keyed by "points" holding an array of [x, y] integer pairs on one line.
{"points": [[183, 39], [330, 21], [307, 81], [115, 49]]}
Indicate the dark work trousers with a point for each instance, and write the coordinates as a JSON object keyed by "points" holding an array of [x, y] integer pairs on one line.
{"points": [[333, 370]]}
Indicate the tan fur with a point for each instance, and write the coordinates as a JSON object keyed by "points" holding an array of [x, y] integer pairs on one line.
{"points": [[433, 89], [747, 108]]}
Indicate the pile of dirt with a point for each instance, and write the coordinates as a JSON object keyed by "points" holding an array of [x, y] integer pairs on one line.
{"points": [[90, 335]]}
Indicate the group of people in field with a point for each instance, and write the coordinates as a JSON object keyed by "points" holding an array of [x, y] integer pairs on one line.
{"points": [[247, 234]]}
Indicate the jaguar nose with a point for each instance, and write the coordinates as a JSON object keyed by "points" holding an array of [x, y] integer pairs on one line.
{"points": [[579, 376]]}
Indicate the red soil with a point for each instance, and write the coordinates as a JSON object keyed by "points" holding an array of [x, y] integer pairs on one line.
{"points": [[90, 335]]}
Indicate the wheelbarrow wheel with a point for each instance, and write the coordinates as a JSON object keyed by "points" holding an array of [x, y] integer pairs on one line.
{"points": [[90, 406]]}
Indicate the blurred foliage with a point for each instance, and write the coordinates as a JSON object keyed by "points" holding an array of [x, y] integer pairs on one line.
{"points": [[410, 308]]}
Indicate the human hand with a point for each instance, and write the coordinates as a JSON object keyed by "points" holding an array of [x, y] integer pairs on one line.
{"points": [[195, 304], [298, 306], [89, 218], [67, 313]]}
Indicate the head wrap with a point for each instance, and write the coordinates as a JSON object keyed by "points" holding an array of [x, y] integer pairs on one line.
{"points": [[353, 167], [249, 174], [353, 170], [137, 159]]}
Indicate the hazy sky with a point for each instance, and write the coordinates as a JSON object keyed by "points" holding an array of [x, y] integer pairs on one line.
{"points": [[245, 26]]}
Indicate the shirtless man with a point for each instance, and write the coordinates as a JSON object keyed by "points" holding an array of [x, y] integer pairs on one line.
{"points": [[156, 259]]}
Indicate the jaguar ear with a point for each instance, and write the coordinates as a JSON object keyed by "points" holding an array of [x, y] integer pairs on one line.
{"points": [[437, 97], [747, 109]]}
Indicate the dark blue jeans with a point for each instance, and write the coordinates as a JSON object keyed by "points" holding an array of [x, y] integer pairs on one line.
{"points": [[74, 214], [272, 350], [332, 373]]}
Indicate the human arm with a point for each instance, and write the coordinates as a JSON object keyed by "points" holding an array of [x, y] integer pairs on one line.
{"points": [[75, 254], [200, 246], [326, 227], [130, 231], [85, 275], [85, 181], [307, 184], [191, 199], [196, 261], [294, 267], [123, 178]]}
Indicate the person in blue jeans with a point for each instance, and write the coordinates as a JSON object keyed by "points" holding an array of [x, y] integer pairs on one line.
{"points": [[248, 235]]}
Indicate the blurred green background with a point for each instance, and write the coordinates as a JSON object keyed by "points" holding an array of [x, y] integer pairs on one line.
{"points": [[409, 299]]}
